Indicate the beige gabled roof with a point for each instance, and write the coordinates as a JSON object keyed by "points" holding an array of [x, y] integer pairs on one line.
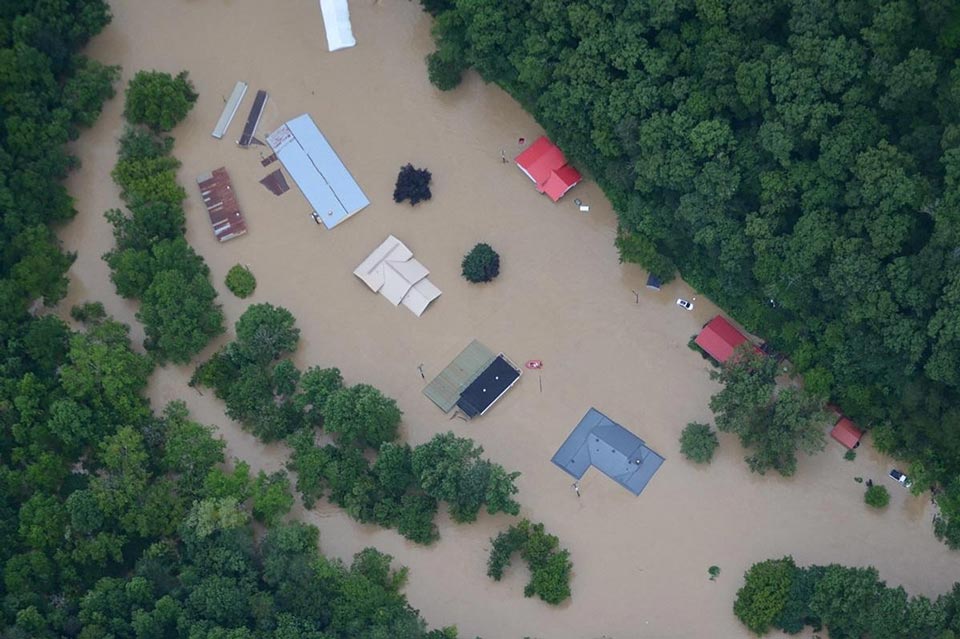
{"points": [[392, 271]]}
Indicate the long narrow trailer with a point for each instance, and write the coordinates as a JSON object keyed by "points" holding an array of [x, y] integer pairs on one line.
{"points": [[230, 109], [253, 120]]}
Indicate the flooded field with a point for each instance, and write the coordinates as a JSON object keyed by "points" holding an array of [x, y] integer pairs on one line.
{"points": [[640, 563]]}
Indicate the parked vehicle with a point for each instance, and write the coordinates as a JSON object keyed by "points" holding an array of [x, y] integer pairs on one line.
{"points": [[900, 478], [684, 304]]}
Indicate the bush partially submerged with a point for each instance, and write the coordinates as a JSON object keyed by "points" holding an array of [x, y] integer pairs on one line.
{"points": [[549, 564], [412, 184], [876, 496], [697, 443], [481, 264], [241, 281]]}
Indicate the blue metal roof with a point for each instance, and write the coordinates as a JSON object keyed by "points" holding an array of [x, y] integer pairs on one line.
{"points": [[313, 164], [616, 452]]}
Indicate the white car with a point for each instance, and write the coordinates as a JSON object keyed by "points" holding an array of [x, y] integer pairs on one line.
{"points": [[684, 304], [899, 477]]}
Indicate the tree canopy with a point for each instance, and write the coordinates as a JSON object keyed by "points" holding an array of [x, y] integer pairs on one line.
{"points": [[151, 261], [772, 422], [481, 264], [48, 92], [850, 602], [159, 100], [798, 162]]}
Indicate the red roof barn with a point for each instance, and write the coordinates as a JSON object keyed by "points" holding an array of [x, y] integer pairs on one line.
{"points": [[545, 164], [719, 338], [846, 433]]}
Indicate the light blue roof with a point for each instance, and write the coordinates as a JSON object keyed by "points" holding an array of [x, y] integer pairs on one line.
{"points": [[612, 449], [317, 170]]}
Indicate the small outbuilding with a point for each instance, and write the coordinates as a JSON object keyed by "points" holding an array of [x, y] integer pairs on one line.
{"points": [[654, 282], [612, 449], [545, 164], [846, 432], [719, 339]]}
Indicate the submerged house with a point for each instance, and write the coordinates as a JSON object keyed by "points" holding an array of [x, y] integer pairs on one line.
{"points": [[545, 164], [600, 442], [392, 271], [474, 381], [719, 339]]}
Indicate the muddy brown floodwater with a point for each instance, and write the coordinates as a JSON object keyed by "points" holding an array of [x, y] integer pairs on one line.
{"points": [[640, 564]]}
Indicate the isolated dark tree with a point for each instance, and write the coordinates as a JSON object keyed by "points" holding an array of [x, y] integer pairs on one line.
{"points": [[412, 184], [481, 264], [159, 100]]}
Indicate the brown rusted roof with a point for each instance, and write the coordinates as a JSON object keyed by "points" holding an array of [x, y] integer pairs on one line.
{"points": [[221, 203]]}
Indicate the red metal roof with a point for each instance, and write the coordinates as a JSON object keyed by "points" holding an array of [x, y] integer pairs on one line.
{"points": [[719, 339], [560, 181], [846, 433], [545, 164]]}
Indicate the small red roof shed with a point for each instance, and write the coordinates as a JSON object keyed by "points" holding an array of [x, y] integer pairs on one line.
{"points": [[846, 433], [719, 338], [545, 164]]}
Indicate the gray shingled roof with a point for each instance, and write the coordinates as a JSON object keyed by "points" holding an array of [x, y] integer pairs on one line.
{"points": [[616, 452]]}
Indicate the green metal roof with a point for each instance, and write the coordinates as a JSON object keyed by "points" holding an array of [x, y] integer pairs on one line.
{"points": [[445, 389]]}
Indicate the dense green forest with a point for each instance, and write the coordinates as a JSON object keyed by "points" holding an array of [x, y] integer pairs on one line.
{"points": [[797, 160], [152, 261], [114, 521], [852, 603]]}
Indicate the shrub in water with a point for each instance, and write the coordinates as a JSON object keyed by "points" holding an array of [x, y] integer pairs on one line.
{"points": [[877, 496], [241, 281], [697, 443], [481, 264], [412, 184]]}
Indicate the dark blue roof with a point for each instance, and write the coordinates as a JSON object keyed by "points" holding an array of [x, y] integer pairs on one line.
{"points": [[653, 282], [616, 452], [493, 382]]}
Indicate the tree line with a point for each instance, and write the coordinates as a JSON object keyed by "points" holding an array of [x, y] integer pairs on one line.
{"points": [[799, 162], [402, 487], [119, 523], [116, 521], [151, 260], [48, 93], [852, 603]]}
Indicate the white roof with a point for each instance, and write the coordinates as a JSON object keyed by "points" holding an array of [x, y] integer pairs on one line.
{"points": [[317, 170], [392, 271], [336, 22], [230, 109]]}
